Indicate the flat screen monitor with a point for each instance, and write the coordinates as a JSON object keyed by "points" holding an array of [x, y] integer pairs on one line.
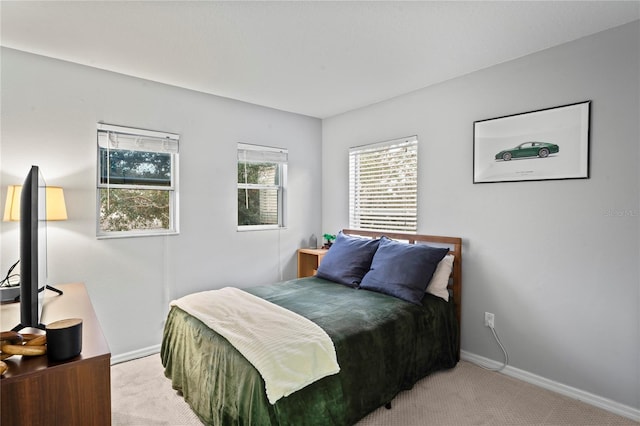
{"points": [[33, 249]]}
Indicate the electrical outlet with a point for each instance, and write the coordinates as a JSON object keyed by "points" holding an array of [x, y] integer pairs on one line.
{"points": [[489, 319]]}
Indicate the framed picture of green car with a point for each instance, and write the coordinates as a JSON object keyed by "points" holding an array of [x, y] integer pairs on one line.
{"points": [[551, 143]]}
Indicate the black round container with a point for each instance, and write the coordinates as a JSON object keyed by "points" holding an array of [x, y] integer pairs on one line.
{"points": [[64, 339]]}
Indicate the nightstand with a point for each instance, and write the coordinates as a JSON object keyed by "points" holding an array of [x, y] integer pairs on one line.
{"points": [[308, 261]]}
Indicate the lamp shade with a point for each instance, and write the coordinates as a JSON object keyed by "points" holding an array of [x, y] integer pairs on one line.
{"points": [[12, 206], [56, 208]]}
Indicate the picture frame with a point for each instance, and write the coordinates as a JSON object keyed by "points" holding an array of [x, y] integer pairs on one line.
{"points": [[545, 144]]}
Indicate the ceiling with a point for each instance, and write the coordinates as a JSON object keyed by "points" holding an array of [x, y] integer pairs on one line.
{"points": [[316, 58]]}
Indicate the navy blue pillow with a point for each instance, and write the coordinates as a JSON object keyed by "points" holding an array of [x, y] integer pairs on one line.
{"points": [[348, 259], [402, 270]]}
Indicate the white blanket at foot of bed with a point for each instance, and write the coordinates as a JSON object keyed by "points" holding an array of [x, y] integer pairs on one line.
{"points": [[288, 350]]}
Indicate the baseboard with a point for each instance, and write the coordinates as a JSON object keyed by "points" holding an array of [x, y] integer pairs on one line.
{"points": [[140, 353], [580, 395]]}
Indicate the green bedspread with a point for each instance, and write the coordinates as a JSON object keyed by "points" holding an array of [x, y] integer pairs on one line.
{"points": [[383, 345]]}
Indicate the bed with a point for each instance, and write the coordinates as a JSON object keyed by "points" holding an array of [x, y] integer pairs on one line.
{"points": [[383, 345]]}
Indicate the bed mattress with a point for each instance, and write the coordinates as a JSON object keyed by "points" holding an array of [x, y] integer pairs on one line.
{"points": [[383, 345]]}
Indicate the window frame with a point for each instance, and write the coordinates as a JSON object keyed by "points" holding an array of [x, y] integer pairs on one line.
{"points": [[280, 157], [134, 138], [355, 213]]}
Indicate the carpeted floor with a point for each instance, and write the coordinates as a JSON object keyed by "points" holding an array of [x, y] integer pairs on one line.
{"points": [[465, 395]]}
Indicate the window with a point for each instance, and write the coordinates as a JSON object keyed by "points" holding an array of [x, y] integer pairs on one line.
{"points": [[137, 182], [383, 186], [262, 181]]}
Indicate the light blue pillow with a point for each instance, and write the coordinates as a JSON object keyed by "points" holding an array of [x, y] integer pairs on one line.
{"points": [[348, 259], [402, 270]]}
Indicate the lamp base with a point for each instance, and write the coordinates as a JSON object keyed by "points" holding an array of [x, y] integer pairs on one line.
{"points": [[9, 294]]}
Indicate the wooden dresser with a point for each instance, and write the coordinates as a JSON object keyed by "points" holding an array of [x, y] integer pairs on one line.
{"points": [[75, 392]]}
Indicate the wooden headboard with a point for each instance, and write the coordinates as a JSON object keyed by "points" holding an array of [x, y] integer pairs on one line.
{"points": [[455, 248]]}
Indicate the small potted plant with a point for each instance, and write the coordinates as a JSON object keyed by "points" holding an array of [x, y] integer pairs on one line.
{"points": [[329, 239]]}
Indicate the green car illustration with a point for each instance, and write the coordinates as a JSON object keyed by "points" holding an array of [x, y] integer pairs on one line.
{"points": [[528, 149]]}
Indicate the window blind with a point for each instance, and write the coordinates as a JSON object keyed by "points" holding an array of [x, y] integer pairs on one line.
{"points": [[117, 137], [261, 154], [383, 186]]}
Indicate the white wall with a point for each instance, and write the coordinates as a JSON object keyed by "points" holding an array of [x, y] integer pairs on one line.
{"points": [[49, 113], [555, 261]]}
